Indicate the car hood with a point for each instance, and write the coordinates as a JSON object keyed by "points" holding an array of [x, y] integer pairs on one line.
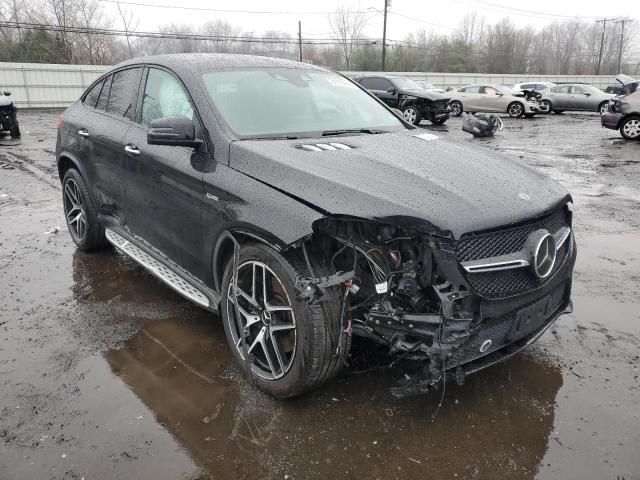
{"points": [[428, 94], [409, 179]]}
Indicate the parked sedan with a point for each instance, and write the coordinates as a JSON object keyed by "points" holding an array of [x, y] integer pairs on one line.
{"points": [[493, 99], [308, 216], [624, 114], [409, 97], [575, 97]]}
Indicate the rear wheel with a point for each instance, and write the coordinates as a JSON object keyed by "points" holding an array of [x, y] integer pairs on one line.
{"points": [[546, 106], [291, 344], [80, 213], [515, 109], [603, 107], [630, 128], [412, 114], [456, 108]]}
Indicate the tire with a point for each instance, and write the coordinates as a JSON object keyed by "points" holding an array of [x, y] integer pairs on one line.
{"points": [[456, 108], [603, 108], [14, 130], [80, 213], [546, 103], [412, 114], [630, 128], [515, 109], [311, 360]]}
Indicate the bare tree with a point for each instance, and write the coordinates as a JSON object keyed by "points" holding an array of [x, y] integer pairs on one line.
{"points": [[130, 24], [347, 26]]}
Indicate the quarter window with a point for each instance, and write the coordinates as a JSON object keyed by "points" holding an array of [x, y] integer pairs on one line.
{"points": [[103, 99], [164, 96], [92, 95], [124, 89]]}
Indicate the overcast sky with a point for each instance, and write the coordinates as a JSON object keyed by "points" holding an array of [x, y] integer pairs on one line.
{"points": [[441, 16]]}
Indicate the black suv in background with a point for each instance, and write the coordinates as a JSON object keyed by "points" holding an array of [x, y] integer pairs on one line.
{"points": [[307, 215], [409, 97]]}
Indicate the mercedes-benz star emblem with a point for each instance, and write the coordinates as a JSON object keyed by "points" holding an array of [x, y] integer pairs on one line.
{"points": [[542, 246]]}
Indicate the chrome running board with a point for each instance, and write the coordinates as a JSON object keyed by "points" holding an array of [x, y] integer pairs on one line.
{"points": [[190, 288]]}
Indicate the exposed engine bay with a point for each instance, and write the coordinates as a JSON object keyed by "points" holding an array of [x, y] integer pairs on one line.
{"points": [[406, 291]]}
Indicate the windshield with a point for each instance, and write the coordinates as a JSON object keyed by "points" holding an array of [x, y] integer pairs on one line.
{"points": [[276, 102], [427, 85], [406, 84]]}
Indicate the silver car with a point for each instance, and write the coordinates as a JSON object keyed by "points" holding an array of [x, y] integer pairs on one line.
{"points": [[492, 99], [575, 97]]}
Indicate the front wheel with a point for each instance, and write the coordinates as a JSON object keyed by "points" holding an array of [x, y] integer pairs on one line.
{"points": [[456, 108], [515, 109], [412, 114], [291, 345], [630, 128], [80, 213]]}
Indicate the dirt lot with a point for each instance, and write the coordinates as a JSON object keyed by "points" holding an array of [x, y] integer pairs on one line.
{"points": [[105, 373]]}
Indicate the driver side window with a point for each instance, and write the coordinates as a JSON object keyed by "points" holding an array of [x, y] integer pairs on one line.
{"points": [[164, 96]]}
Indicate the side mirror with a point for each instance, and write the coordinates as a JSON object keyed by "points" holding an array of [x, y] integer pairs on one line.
{"points": [[587, 94], [6, 93], [391, 90], [500, 94], [174, 131]]}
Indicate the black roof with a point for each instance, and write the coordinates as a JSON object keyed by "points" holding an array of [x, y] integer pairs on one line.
{"points": [[188, 62]]}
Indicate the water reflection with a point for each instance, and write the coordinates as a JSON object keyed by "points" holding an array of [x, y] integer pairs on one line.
{"points": [[496, 426]]}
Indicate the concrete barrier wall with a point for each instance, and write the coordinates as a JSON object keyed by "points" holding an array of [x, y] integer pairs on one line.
{"points": [[38, 85]]}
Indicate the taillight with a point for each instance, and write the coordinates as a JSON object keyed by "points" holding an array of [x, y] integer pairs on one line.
{"points": [[59, 121]]}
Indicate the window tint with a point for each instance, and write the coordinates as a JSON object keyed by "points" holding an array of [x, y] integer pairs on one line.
{"points": [[561, 89], [104, 94], [376, 84], [164, 96], [124, 89], [92, 95], [471, 89]]}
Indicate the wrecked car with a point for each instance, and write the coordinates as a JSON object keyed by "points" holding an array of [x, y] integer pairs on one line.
{"points": [[410, 97], [307, 215], [8, 116], [623, 114], [494, 99]]}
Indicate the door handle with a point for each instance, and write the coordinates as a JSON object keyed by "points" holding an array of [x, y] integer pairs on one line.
{"points": [[132, 150], [83, 132]]}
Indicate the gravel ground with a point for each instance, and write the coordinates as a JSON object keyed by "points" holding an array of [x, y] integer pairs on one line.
{"points": [[106, 373]]}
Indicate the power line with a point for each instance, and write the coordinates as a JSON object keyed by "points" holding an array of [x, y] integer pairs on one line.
{"points": [[398, 14], [220, 10], [517, 11]]}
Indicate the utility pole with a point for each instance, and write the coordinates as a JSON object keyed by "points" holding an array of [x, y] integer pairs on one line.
{"points": [[299, 40], [604, 27], [387, 4], [621, 42]]}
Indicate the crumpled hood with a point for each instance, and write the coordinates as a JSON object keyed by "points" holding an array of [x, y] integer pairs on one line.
{"points": [[403, 180], [429, 95]]}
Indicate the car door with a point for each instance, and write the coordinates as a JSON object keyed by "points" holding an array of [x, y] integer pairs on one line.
{"points": [[101, 130], [164, 202], [471, 98], [581, 98], [560, 97], [492, 100]]}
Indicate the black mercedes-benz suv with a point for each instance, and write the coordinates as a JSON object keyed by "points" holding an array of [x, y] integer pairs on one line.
{"points": [[308, 215]]}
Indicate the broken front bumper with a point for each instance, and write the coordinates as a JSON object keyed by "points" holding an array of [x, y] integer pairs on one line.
{"points": [[611, 120]]}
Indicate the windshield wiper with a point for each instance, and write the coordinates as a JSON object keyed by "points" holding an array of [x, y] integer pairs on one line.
{"points": [[328, 133], [283, 137]]}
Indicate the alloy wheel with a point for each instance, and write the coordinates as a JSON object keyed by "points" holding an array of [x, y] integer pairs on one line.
{"points": [[74, 210], [604, 108], [632, 128], [410, 115], [267, 318], [515, 109], [456, 109]]}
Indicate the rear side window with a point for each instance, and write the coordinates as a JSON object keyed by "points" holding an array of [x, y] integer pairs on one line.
{"points": [[103, 99], [164, 96], [123, 94], [92, 95], [471, 89], [376, 83]]}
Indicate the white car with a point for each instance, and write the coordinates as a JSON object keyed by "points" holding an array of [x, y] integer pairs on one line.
{"points": [[492, 99]]}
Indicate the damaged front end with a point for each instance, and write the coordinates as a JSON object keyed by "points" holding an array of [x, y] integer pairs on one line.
{"points": [[446, 305]]}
